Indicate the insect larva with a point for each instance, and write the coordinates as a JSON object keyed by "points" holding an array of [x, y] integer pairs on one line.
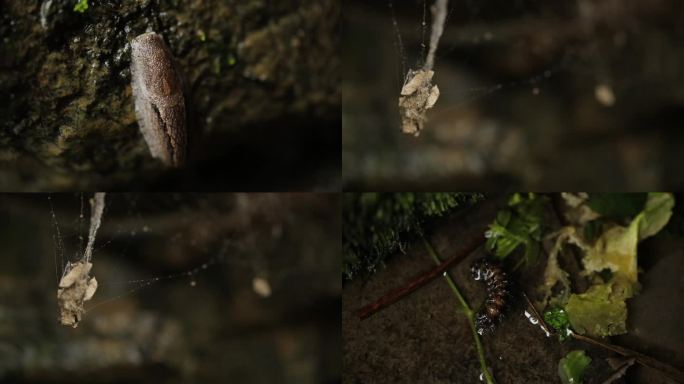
{"points": [[497, 294], [158, 96]]}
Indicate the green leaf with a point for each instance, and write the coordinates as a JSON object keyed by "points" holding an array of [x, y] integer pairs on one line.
{"points": [[600, 311], [572, 367], [617, 205], [519, 225], [81, 6], [558, 319], [616, 248], [656, 214]]}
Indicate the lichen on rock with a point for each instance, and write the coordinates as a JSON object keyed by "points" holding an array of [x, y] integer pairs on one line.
{"points": [[66, 99]]}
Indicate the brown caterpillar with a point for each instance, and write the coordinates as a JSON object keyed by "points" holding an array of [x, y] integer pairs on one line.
{"points": [[497, 294]]}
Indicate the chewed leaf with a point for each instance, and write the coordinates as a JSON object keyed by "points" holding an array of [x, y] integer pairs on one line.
{"points": [[656, 214], [553, 273], [572, 367], [616, 249], [601, 311]]}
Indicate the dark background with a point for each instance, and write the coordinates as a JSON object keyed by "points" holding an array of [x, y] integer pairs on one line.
{"points": [[216, 331], [518, 108]]}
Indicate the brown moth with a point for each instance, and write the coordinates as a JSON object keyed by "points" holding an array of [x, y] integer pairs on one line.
{"points": [[158, 96]]}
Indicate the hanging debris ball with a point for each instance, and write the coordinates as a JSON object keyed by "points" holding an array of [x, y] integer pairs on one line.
{"points": [[417, 96], [75, 288], [76, 285]]}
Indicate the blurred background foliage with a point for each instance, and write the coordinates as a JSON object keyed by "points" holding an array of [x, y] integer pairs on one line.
{"points": [[377, 225]]}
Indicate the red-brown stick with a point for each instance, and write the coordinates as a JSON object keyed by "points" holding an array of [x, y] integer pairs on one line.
{"points": [[419, 280]]}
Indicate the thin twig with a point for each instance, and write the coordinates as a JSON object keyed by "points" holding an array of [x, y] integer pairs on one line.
{"points": [[420, 280], [538, 316], [620, 371], [647, 361], [642, 359], [466, 310]]}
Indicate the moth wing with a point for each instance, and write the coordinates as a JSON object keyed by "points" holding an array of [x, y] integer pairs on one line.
{"points": [[432, 99], [72, 276], [415, 81], [90, 290]]}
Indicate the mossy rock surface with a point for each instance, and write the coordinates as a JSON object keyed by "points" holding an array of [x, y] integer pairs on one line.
{"points": [[251, 68]]}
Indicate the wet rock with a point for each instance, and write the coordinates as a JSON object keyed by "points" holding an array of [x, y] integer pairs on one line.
{"points": [[61, 68]]}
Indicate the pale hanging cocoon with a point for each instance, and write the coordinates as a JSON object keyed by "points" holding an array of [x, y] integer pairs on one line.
{"points": [[76, 286]]}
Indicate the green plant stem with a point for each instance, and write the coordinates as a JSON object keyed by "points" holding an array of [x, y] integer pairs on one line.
{"points": [[466, 310]]}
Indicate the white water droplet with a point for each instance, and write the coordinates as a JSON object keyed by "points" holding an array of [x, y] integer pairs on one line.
{"points": [[193, 283], [261, 287], [604, 95]]}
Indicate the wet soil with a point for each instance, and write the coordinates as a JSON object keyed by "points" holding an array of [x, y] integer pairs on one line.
{"points": [[424, 337]]}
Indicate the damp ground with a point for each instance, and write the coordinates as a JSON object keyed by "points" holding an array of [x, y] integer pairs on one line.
{"points": [[424, 338]]}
